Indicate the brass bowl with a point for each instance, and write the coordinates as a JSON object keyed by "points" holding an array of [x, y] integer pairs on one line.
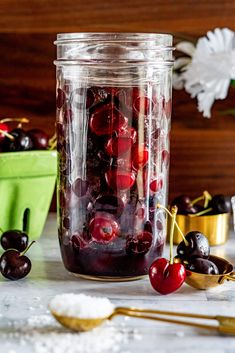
{"points": [[215, 227], [202, 281]]}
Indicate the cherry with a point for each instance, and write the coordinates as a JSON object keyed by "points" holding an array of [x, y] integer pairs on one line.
{"points": [[126, 97], [140, 156], [198, 246], [121, 143], [90, 98], [119, 179], [110, 204], [3, 128], [165, 158], [106, 119], [205, 266], [220, 204], [167, 108], [166, 278], [14, 264], [156, 185], [142, 105], [39, 139], [14, 239], [20, 141], [184, 205], [60, 99], [103, 228], [80, 187], [139, 244]]}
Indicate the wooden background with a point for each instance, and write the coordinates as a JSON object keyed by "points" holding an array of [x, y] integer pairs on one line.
{"points": [[203, 150]]}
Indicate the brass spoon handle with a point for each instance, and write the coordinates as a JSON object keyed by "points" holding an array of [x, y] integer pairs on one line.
{"points": [[230, 277], [140, 315], [170, 313]]}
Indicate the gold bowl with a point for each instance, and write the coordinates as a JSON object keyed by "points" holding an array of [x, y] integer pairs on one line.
{"points": [[215, 227], [203, 281]]}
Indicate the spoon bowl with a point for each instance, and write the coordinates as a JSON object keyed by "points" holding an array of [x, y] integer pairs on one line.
{"points": [[78, 324], [204, 281]]}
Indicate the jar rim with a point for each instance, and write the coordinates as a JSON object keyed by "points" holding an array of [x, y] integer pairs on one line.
{"points": [[159, 39]]}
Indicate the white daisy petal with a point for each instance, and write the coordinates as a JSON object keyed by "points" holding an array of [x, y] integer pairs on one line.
{"points": [[180, 62], [177, 81], [208, 75], [186, 48]]}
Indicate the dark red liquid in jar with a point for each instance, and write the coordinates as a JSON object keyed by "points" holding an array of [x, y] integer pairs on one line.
{"points": [[112, 146]]}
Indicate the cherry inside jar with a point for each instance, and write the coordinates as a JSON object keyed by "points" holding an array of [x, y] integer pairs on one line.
{"points": [[112, 146]]}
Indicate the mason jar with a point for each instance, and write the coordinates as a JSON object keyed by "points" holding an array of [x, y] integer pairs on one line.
{"points": [[113, 129]]}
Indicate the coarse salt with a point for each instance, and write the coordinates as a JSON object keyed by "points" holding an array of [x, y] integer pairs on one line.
{"points": [[81, 306]]}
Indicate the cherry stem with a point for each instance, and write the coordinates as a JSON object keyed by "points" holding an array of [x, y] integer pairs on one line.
{"points": [[205, 196], [177, 226], [52, 139], [20, 120], [208, 197], [201, 213], [7, 135], [53, 145], [174, 210], [28, 247]]}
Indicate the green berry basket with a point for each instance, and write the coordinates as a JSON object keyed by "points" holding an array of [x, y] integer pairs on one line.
{"points": [[27, 182]]}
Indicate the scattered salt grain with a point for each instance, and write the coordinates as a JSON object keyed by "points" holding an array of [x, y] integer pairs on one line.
{"points": [[81, 305]]}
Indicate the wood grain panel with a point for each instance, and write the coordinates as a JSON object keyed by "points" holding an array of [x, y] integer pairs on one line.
{"points": [[43, 16]]}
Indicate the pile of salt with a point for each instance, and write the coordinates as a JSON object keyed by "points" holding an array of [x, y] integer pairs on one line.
{"points": [[81, 306]]}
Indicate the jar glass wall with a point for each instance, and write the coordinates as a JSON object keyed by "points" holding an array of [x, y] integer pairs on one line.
{"points": [[113, 125]]}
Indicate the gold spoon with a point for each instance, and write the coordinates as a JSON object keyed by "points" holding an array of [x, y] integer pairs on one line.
{"points": [[222, 324], [203, 281]]}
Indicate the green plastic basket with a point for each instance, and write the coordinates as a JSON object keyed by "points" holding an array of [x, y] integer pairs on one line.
{"points": [[27, 182]]}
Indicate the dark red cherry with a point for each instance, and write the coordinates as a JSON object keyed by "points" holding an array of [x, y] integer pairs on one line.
{"points": [[139, 244], [106, 119], [90, 98], [13, 265], [103, 228], [60, 98], [148, 227], [119, 179], [39, 138], [20, 141], [156, 185], [205, 266], [198, 246], [14, 239], [109, 204], [220, 204], [80, 187], [140, 156], [185, 207], [121, 142], [142, 105]]}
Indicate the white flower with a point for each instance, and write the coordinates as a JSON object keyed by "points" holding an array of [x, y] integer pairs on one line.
{"points": [[212, 68]]}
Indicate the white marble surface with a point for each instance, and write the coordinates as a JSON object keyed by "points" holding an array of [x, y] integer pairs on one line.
{"points": [[26, 325]]}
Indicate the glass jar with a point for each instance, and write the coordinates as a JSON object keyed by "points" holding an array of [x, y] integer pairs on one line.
{"points": [[113, 126]]}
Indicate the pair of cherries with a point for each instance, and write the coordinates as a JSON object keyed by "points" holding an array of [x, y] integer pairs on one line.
{"points": [[14, 264], [20, 140], [213, 205], [193, 253]]}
